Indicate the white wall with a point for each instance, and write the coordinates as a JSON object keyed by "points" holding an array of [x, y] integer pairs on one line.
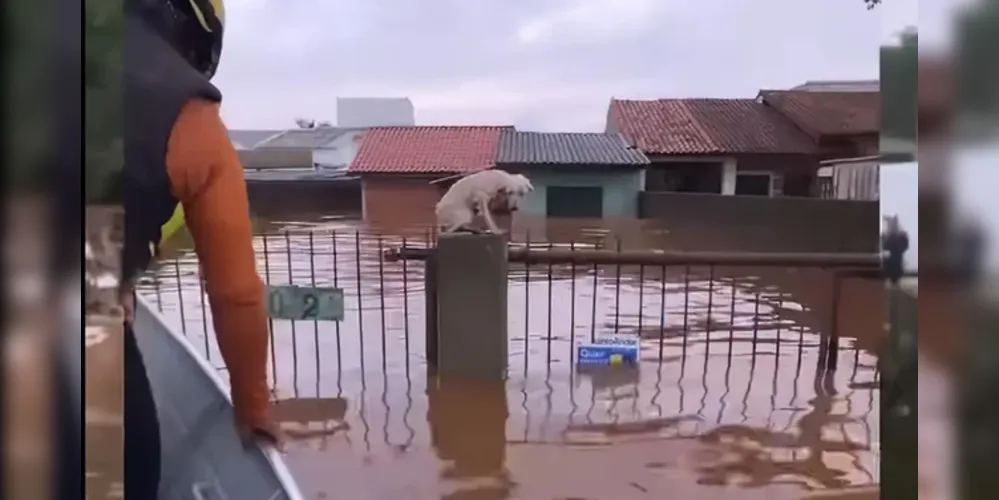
{"points": [[362, 112]]}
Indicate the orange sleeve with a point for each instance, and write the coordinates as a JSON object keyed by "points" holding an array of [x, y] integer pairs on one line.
{"points": [[207, 178]]}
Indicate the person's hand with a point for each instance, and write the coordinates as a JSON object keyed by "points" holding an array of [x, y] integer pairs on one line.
{"points": [[126, 298], [266, 434]]}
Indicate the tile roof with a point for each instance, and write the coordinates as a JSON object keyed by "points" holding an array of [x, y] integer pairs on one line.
{"points": [[247, 139], [828, 113], [706, 126], [303, 138], [427, 149], [564, 148]]}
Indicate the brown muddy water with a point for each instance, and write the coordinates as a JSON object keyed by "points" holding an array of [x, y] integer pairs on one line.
{"points": [[727, 401]]}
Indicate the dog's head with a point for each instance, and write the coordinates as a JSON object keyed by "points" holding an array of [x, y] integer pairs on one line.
{"points": [[521, 185], [516, 189]]}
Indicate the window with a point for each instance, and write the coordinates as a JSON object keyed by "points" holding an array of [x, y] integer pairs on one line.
{"points": [[753, 184], [685, 177], [583, 202]]}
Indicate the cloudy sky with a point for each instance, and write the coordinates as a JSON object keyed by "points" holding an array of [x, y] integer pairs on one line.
{"points": [[536, 64]]}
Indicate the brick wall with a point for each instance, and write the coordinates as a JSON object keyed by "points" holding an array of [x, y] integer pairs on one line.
{"points": [[400, 202]]}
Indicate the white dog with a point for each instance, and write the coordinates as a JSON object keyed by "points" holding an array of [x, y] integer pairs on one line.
{"points": [[480, 193]]}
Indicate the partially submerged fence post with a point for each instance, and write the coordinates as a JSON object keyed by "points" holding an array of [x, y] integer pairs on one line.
{"points": [[472, 306], [430, 280]]}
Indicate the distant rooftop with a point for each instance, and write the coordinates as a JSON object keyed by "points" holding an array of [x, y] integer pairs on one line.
{"points": [[840, 86], [246, 139], [304, 138]]}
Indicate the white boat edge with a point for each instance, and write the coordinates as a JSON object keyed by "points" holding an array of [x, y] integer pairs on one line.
{"points": [[272, 455]]}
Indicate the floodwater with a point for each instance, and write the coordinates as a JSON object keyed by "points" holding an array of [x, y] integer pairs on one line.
{"points": [[103, 343], [727, 401]]}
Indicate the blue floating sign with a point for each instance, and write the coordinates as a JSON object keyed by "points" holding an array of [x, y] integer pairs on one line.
{"points": [[608, 352], [300, 303]]}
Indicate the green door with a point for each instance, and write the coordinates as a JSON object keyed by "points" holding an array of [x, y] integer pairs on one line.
{"points": [[582, 202]]}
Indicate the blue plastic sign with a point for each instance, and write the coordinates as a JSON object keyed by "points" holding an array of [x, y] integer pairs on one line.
{"points": [[299, 303], [608, 352]]}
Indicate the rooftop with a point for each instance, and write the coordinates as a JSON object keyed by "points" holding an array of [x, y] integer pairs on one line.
{"points": [[706, 126], [828, 113], [563, 148], [427, 149]]}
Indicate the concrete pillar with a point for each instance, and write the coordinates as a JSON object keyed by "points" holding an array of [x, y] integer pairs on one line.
{"points": [[472, 306]]}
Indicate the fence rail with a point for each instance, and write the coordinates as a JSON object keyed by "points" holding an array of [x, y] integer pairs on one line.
{"points": [[552, 255]]}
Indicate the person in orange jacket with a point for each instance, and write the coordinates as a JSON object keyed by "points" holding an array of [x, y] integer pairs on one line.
{"points": [[178, 151]]}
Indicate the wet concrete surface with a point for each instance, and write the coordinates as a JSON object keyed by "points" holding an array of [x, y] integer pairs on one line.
{"points": [[728, 400]]}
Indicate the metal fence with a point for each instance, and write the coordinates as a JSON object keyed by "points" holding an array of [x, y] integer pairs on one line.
{"points": [[720, 344], [557, 289]]}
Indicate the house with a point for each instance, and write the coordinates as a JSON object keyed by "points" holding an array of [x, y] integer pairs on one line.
{"points": [[398, 167], [299, 169], [590, 175], [723, 146], [327, 148], [845, 125], [246, 141]]}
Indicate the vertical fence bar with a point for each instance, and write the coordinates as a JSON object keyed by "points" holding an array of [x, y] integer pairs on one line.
{"points": [[707, 323], [593, 310], [641, 297], [204, 314], [180, 297], [315, 323], [731, 321], [662, 314], [405, 305], [617, 290], [756, 321], [686, 310], [548, 340], [270, 321], [572, 311], [360, 303], [294, 333], [336, 284], [159, 293], [527, 304], [381, 299], [831, 344], [779, 317]]}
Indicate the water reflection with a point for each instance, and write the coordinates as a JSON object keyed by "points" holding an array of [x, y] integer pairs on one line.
{"points": [[727, 398]]}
